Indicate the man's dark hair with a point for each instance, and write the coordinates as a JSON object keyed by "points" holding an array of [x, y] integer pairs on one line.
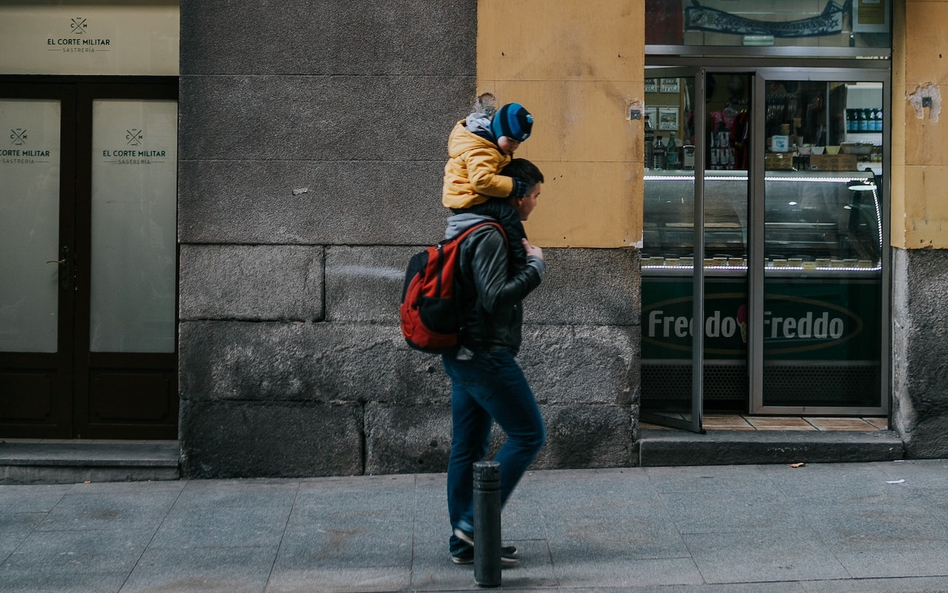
{"points": [[525, 171]]}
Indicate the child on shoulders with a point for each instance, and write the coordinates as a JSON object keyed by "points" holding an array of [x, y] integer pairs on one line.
{"points": [[479, 147]]}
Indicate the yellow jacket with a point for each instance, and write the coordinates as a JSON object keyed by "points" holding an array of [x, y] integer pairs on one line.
{"points": [[472, 173]]}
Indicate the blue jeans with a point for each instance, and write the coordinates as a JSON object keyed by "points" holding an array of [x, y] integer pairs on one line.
{"points": [[491, 386]]}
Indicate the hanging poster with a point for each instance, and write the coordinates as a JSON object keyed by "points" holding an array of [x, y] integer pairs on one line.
{"points": [[652, 114], [870, 16], [668, 118], [828, 22]]}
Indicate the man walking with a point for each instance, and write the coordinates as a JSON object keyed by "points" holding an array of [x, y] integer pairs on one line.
{"points": [[487, 384]]}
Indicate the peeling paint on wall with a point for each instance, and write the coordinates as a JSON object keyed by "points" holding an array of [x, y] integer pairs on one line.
{"points": [[925, 96]]}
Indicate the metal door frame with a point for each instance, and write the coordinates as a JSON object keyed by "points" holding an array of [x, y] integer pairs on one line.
{"points": [[697, 339], [57, 365], [87, 361], [756, 280], [760, 71]]}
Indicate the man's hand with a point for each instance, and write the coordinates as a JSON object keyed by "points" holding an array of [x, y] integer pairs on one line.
{"points": [[532, 250]]}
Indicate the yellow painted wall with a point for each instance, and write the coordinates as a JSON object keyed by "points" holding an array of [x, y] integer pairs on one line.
{"points": [[919, 145], [577, 66]]}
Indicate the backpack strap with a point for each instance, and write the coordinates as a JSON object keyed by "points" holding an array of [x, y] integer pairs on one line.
{"points": [[470, 230]]}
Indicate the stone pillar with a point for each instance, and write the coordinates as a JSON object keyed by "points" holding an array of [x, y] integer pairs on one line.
{"points": [[919, 178]]}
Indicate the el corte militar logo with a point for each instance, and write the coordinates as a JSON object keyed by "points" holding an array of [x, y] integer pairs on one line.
{"points": [[78, 40], [134, 138], [18, 135], [18, 152], [79, 25]]}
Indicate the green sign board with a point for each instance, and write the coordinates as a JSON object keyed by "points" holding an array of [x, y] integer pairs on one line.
{"points": [[824, 319]]}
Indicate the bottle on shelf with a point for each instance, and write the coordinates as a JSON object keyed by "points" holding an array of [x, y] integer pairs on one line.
{"points": [[658, 154], [672, 159], [649, 141], [688, 157]]}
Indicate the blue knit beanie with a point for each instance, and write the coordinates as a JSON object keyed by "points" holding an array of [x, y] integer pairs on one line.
{"points": [[513, 121]]}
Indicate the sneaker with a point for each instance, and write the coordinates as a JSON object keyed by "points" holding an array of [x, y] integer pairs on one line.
{"points": [[509, 556], [465, 536]]}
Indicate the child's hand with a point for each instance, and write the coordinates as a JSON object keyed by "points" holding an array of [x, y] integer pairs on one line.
{"points": [[532, 250]]}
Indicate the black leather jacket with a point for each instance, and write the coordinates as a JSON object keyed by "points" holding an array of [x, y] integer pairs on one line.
{"points": [[492, 315]]}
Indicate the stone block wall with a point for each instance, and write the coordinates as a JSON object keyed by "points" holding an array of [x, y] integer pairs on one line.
{"points": [[284, 392], [920, 351], [311, 148]]}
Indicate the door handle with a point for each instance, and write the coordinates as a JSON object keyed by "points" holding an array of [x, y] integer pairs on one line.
{"points": [[65, 268]]}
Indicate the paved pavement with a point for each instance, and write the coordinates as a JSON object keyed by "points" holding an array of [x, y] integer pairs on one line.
{"points": [[865, 527]]}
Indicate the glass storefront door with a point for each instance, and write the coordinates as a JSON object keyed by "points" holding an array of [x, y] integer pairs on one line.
{"points": [[37, 203], [791, 280], [823, 258], [88, 260], [674, 241], [695, 267]]}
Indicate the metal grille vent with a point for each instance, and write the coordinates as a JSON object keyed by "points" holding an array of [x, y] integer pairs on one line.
{"points": [[795, 385]]}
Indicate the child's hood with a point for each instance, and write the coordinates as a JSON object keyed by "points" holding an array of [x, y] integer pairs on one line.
{"points": [[462, 139], [479, 123], [459, 223]]}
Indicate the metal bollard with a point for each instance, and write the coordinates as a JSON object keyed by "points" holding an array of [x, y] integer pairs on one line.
{"points": [[487, 523]]}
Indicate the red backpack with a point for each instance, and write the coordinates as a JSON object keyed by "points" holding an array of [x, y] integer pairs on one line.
{"points": [[430, 316]]}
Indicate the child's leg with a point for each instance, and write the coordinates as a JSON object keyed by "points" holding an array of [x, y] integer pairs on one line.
{"points": [[509, 218]]}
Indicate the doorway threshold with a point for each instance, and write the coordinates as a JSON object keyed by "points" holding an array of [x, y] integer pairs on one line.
{"points": [[54, 461], [747, 422], [737, 439]]}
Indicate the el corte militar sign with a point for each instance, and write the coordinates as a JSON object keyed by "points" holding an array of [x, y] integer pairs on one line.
{"points": [[90, 38]]}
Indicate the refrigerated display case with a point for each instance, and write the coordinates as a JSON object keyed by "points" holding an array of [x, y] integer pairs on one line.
{"points": [[815, 222]]}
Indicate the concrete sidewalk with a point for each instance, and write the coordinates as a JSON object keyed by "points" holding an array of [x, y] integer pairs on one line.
{"points": [[866, 527]]}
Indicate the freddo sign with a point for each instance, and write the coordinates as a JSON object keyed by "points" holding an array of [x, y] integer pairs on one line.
{"points": [[819, 321], [820, 326]]}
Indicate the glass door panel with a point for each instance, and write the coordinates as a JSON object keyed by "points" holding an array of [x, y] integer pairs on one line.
{"points": [[822, 308], [127, 387], [726, 198], [133, 226], [37, 259], [715, 137], [30, 249], [673, 251]]}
